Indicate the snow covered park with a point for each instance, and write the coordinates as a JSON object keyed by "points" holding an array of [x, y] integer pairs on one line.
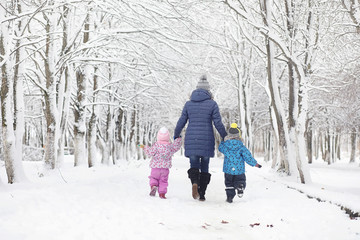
{"points": [[86, 84], [113, 202]]}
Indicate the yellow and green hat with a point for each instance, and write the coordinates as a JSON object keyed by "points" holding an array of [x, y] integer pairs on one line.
{"points": [[234, 131]]}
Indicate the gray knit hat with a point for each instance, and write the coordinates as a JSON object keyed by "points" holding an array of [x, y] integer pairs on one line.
{"points": [[234, 132], [203, 83]]}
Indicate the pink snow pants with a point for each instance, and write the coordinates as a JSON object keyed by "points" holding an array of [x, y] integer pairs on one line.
{"points": [[159, 177]]}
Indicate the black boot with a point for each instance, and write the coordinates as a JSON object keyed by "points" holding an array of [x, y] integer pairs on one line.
{"points": [[204, 181], [240, 191], [229, 199], [230, 194], [194, 176]]}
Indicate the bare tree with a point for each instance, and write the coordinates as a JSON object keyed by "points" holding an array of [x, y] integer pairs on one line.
{"points": [[282, 35], [11, 90], [50, 90], [353, 7], [91, 129]]}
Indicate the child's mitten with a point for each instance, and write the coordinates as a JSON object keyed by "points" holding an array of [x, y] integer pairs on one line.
{"points": [[177, 137], [258, 165]]}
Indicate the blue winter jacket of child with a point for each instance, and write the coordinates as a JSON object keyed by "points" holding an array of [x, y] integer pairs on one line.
{"points": [[235, 155]]}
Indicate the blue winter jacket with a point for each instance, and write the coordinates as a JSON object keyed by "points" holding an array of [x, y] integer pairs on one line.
{"points": [[235, 155], [201, 112]]}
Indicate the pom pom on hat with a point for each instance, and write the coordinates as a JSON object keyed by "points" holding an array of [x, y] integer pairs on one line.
{"points": [[234, 131], [164, 130], [203, 83], [163, 135]]}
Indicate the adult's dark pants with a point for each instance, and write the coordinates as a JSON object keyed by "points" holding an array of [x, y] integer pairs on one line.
{"points": [[200, 162]]}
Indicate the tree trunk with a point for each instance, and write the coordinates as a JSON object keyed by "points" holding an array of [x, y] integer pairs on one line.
{"points": [[79, 126], [338, 145], [91, 140], [50, 95], [275, 155], [328, 148], [240, 104], [19, 111], [286, 151], [309, 141], [120, 134], [11, 106], [316, 144], [82, 75], [323, 146], [109, 134], [333, 148], [91, 136], [297, 101], [108, 138], [8, 136], [63, 88], [63, 106], [353, 145], [268, 146], [247, 110]]}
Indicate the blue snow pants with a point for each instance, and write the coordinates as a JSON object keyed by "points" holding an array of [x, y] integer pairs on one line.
{"points": [[233, 182]]}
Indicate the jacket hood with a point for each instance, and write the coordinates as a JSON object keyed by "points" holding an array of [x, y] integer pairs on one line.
{"points": [[234, 145], [199, 95]]}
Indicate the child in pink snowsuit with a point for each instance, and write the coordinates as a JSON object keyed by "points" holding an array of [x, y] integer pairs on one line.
{"points": [[161, 154]]}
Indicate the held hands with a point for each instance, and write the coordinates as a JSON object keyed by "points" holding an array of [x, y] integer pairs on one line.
{"points": [[258, 165], [177, 137], [141, 146]]}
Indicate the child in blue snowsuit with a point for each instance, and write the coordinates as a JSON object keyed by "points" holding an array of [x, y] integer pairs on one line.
{"points": [[236, 154]]}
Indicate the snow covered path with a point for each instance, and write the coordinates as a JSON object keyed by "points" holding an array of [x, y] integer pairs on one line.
{"points": [[113, 203]]}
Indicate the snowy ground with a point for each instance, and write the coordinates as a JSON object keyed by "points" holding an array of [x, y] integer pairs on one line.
{"points": [[113, 203]]}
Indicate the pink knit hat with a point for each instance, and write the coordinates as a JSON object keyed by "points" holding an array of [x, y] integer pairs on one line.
{"points": [[163, 135]]}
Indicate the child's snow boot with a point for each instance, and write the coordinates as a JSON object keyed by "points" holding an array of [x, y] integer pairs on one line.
{"points": [[162, 195], [153, 191], [240, 191], [194, 176], [230, 194], [204, 181], [229, 199]]}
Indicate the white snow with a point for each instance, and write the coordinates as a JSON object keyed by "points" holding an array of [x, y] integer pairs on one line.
{"points": [[112, 202]]}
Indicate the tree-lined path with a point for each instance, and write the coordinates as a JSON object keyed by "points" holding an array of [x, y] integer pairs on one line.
{"points": [[113, 202]]}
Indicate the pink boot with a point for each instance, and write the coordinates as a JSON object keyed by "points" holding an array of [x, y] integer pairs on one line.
{"points": [[162, 195], [153, 191]]}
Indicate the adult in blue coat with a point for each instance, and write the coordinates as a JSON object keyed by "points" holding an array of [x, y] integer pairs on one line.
{"points": [[202, 112]]}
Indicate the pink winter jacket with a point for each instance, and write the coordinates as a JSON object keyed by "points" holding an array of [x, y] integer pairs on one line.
{"points": [[161, 154]]}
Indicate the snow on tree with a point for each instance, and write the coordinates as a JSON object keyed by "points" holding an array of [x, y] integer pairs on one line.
{"points": [[103, 76], [12, 106]]}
